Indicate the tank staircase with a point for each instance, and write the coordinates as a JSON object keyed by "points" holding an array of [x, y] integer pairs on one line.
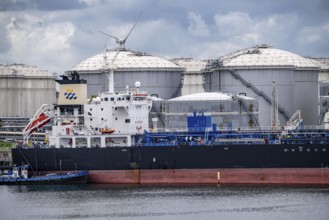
{"points": [[250, 113], [321, 116], [156, 110], [282, 110]]}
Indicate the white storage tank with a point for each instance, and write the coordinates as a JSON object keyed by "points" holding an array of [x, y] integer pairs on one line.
{"points": [[226, 110], [158, 76], [23, 89], [253, 70], [193, 77]]}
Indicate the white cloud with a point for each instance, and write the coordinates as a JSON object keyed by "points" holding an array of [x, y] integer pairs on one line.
{"points": [[197, 26], [34, 39], [91, 2], [58, 39], [239, 28], [311, 34], [233, 24]]}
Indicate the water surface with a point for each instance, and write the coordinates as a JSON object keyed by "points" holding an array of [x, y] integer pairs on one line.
{"points": [[163, 202]]}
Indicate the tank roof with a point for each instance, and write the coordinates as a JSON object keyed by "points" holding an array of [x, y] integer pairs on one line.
{"points": [[209, 96], [322, 62], [190, 65], [124, 59], [263, 55], [22, 70]]}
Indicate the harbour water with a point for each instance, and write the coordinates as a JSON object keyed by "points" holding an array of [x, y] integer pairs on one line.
{"points": [[163, 202]]}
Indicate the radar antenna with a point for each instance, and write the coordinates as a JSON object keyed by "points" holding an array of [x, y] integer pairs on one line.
{"points": [[120, 41]]}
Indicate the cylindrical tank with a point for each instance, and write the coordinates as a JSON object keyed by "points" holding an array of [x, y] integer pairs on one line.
{"points": [[225, 109], [253, 70], [23, 89], [157, 75], [192, 78]]}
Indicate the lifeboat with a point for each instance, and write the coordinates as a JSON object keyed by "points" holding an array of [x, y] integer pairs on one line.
{"points": [[37, 123], [106, 131]]}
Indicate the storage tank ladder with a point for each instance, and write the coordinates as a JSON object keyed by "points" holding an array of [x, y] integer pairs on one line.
{"points": [[282, 110]]}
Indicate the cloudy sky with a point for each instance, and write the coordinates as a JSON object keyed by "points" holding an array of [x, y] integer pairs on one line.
{"points": [[57, 34]]}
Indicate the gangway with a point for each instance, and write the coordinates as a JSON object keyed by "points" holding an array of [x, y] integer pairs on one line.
{"points": [[295, 121]]}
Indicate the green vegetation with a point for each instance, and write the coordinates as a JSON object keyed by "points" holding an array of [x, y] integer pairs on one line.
{"points": [[7, 144]]}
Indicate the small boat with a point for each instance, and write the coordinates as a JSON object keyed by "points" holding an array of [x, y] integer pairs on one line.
{"points": [[19, 176], [106, 131]]}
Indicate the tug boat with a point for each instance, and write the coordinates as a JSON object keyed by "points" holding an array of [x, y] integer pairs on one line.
{"points": [[19, 176]]}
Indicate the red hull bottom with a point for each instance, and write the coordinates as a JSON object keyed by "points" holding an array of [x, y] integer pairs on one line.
{"points": [[307, 176]]}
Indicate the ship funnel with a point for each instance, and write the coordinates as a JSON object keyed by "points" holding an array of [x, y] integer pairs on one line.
{"points": [[72, 91]]}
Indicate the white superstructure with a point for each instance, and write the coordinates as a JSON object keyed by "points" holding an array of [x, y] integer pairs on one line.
{"points": [[109, 119]]}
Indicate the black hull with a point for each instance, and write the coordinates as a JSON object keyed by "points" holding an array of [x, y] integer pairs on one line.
{"points": [[149, 158]]}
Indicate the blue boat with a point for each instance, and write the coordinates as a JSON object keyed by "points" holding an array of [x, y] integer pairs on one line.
{"points": [[19, 176]]}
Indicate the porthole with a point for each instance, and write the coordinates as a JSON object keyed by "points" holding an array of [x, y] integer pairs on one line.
{"points": [[308, 150], [286, 150], [316, 149], [292, 150], [324, 149]]}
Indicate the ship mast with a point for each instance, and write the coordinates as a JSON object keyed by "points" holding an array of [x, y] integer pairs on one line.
{"points": [[109, 68], [275, 123], [111, 81]]}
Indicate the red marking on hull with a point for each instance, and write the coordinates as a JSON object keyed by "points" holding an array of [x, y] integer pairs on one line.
{"points": [[312, 176], [114, 176]]}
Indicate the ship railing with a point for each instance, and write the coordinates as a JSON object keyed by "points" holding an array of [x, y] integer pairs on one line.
{"points": [[305, 141], [162, 144], [314, 127]]}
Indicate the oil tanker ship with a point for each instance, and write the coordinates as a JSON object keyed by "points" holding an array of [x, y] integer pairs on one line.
{"points": [[109, 136]]}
